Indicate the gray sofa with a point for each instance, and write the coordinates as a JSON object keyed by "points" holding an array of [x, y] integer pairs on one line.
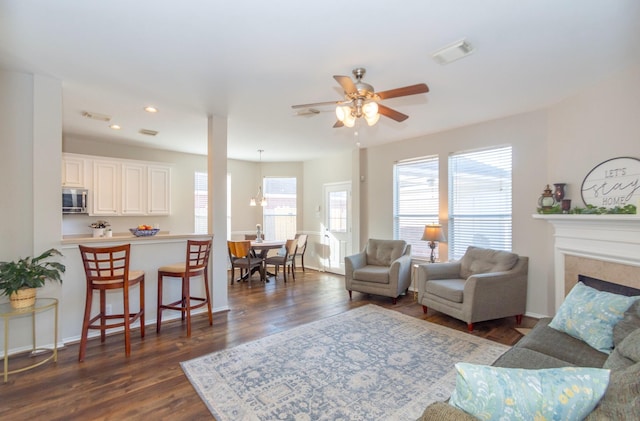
{"points": [[382, 268], [546, 347], [484, 285]]}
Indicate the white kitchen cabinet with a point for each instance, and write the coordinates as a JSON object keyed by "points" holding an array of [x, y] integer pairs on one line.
{"points": [[134, 189], [73, 169], [159, 190], [106, 188]]}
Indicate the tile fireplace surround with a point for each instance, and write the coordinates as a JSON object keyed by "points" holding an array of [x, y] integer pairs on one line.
{"points": [[605, 247]]}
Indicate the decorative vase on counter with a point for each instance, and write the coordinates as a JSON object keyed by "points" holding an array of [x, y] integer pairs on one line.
{"points": [[98, 232], [558, 193]]}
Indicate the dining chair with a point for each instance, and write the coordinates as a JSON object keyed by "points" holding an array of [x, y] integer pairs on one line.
{"points": [[241, 257], [107, 269], [196, 264], [302, 247], [285, 260]]}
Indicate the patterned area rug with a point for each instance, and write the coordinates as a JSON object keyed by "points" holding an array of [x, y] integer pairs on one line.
{"points": [[365, 364]]}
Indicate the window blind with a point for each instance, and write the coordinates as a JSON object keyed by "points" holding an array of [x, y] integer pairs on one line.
{"points": [[415, 201], [480, 199]]}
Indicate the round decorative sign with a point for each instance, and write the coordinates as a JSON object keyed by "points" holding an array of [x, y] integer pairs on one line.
{"points": [[615, 182]]}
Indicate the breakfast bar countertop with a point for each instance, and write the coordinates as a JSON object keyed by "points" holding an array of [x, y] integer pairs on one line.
{"points": [[127, 236]]}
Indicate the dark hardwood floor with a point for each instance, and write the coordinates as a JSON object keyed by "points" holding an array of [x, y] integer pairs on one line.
{"points": [[151, 385]]}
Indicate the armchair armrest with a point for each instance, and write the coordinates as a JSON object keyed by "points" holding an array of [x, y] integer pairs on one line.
{"points": [[355, 261], [507, 290], [400, 273]]}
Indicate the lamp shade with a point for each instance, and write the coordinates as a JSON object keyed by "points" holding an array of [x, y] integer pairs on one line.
{"points": [[433, 232]]}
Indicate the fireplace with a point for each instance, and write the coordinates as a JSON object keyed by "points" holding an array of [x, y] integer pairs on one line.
{"points": [[605, 247]]}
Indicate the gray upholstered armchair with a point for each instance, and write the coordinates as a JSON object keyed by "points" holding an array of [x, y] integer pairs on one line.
{"points": [[484, 285], [382, 268]]}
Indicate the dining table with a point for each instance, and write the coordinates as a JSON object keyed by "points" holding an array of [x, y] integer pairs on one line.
{"points": [[261, 249]]}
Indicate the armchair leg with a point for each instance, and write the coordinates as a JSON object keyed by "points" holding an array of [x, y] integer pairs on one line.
{"points": [[470, 327], [424, 309], [350, 297], [518, 319], [394, 300]]}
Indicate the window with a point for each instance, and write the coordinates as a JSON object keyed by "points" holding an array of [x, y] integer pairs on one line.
{"points": [[415, 200], [201, 195], [338, 211], [480, 200], [279, 216]]}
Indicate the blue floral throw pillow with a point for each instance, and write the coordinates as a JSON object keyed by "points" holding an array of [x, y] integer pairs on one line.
{"points": [[590, 315], [496, 393]]}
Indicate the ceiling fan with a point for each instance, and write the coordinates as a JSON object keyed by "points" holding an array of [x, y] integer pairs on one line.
{"points": [[361, 100]]}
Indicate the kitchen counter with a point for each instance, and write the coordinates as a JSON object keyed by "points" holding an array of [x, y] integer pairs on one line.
{"points": [[127, 237]]}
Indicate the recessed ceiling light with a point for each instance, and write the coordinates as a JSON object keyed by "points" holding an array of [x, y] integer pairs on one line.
{"points": [[453, 52], [115, 127], [151, 109]]}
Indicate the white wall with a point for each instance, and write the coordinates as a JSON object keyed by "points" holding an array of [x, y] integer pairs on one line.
{"points": [[30, 178]]}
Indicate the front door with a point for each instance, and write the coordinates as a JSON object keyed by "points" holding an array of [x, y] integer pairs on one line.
{"points": [[337, 237]]}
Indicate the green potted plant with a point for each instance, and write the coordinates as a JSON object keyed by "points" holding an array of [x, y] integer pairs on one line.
{"points": [[20, 278]]}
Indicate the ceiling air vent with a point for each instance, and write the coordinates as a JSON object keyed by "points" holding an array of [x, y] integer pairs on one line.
{"points": [[96, 116], [453, 52], [148, 132]]}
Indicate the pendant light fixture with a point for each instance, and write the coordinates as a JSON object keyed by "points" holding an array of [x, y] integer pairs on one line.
{"points": [[259, 197]]}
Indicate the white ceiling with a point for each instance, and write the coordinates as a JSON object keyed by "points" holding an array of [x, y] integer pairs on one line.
{"points": [[252, 60]]}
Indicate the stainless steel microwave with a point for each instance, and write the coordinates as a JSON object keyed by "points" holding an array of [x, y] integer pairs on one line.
{"points": [[74, 201]]}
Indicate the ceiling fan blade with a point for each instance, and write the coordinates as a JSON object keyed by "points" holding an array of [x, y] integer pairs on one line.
{"points": [[316, 104], [347, 84], [391, 113], [338, 124], [420, 88]]}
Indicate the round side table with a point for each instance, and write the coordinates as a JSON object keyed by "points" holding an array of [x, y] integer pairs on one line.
{"points": [[7, 313]]}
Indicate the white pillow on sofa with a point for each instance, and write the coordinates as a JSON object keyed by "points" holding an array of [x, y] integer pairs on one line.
{"points": [[498, 393], [590, 315]]}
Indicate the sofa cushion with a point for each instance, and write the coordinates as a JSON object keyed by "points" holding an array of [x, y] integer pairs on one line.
{"points": [[384, 252], [479, 260], [626, 354], [621, 401], [449, 289], [590, 315], [567, 393], [369, 273], [559, 345], [518, 357], [629, 323]]}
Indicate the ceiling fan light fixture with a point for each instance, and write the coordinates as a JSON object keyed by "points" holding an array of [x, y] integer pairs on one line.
{"points": [[349, 119], [372, 120], [370, 109]]}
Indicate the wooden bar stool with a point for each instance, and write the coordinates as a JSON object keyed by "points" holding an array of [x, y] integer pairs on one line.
{"points": [[196, 264], [107, 268]]}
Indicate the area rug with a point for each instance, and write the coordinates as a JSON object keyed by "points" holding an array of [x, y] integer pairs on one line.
{"points": [[369, 363]]}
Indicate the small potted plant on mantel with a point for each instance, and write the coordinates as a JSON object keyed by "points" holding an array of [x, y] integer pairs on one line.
{"points": [[19, 279]]}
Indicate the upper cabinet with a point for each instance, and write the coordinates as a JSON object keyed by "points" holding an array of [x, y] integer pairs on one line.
{"points": [[73, 169], [159, 189], [120, 186], [105, 189]]}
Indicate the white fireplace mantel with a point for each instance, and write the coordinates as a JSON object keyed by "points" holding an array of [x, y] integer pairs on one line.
{"points": [[610, 238]]}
